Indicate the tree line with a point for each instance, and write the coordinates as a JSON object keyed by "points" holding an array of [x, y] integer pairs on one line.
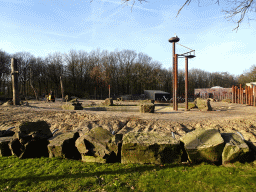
{"points": [[89, 74]]}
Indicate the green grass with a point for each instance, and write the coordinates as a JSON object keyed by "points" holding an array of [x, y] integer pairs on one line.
{"points": [[45, 174]]}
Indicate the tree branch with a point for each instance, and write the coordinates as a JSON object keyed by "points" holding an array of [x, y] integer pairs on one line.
{"points": [[187, 2], [242, 8]]}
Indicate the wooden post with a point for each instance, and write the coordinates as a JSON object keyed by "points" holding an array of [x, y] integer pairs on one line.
{"points": [[246, 95], [233, 94], [62, 89], [108, 91], [238, 94], [176, 83], [186, 83], [15, 88], [254, 104], [251, 96], [242, 95]]}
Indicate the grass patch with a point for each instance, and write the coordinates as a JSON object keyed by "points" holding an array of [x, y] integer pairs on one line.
{"points": [[45, 174]]}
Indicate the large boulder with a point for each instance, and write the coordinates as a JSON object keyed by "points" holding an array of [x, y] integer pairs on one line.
{"points": [[150, 147], [203, 104], [4, 146], [63, 145], [30, 140], [72, 106], [6, 133], [39, 129], [93, 145], [34, 148], [203, 145], [147, 108], [108, 102], [235, 149], [114, 146]]}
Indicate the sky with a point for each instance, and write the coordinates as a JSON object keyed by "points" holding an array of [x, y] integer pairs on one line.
{"points": [[41, 27]]}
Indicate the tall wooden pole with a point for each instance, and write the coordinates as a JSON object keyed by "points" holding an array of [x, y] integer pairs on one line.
{"points": [[15, 88], [174, 40], [173, 76], [233, 94], [186, 83], [176, 82]]}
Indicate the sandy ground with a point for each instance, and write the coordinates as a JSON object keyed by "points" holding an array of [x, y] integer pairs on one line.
{"points": [[225, 117]]}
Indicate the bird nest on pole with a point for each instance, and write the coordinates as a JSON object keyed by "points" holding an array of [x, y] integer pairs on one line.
{"points": [[174, 39]]}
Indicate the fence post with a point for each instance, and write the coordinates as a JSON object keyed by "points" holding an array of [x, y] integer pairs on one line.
{"points": [[246, 95], [254, 89], [251, 96], [233, 94], [242, 95]]}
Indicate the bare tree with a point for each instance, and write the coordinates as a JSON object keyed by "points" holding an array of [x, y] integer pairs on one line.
{"points": [[4, 70], [54, 71], [23, 60], [236, 11]]}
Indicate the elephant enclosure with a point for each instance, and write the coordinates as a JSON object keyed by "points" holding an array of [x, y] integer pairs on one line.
{"points": [[225, 117]]}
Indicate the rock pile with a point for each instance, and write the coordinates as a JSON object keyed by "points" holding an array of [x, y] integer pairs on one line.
{"points": [[34, 139], [31, 140]]}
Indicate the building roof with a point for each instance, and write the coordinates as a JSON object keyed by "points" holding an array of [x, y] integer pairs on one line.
{"points": [[216, 87], [156, 91]]}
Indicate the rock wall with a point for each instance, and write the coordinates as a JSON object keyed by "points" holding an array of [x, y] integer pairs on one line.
{"points": [[34, 139]]}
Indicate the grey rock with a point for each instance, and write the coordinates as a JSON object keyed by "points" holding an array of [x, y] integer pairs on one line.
{"points": [[150, 147], [235, 149], [4, 146], [63, 145], [93, 145], [203, 145]]}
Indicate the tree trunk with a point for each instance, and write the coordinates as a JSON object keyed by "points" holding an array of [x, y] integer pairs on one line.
{"points": [[62, 89], [32, 86]]}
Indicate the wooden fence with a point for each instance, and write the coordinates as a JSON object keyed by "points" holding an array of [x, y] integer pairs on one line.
{"points": [[244, 96]]}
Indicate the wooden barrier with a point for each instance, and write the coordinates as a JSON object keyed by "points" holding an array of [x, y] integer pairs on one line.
{"points": [[244, 96]]}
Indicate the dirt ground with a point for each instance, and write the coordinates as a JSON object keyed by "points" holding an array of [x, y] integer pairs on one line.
{"points": [[225, 117]]}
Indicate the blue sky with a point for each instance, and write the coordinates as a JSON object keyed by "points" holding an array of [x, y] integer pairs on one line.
{"points": [[46, 26]]}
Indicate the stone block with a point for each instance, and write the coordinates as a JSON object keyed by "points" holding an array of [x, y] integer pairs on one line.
{"points": [[150, 147], [4, 146], [147, 108], [108, 102], [203, 145], [35, 148], [39, 129], [235, 149], [30, 140], [63, 145], [94, 143], [114, 146], [5, 133], [72, 106], [203, 104]]}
